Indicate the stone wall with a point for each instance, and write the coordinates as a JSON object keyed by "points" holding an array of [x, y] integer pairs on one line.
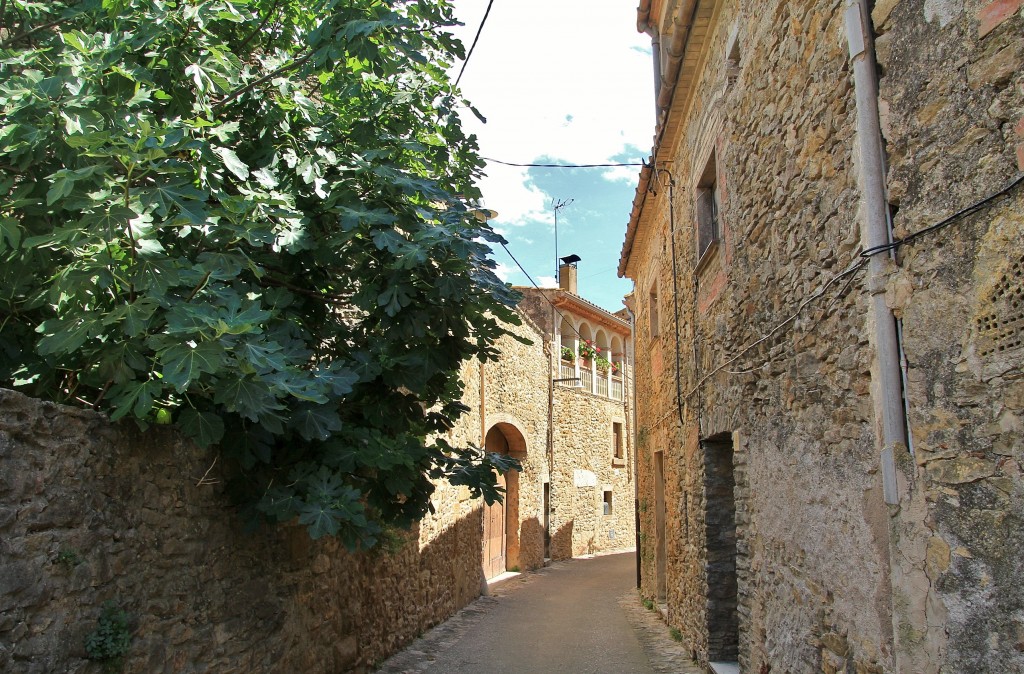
{"points": [[953, 102], [91, 512], [804, 467], [775, 345], [583, 470], [515, 394], [582, 466]]}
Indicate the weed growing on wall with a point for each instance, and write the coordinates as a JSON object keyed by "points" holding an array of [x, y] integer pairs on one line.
{"points": [[110, 641], [249, 218]]}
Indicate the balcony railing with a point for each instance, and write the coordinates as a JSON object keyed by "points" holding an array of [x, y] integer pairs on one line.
{"points": [[586, 380], [603, 384]]}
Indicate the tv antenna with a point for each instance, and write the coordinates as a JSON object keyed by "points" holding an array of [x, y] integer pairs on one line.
{"points": [[557, 205]]}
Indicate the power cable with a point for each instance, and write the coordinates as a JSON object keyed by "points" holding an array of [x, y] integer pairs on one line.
{"points": [[568, 166], [473, 46], [963, 213], [851, 271], [544, 295]]}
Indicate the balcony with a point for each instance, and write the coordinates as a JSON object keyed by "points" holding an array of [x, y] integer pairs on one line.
{"points": [[590, 379]]}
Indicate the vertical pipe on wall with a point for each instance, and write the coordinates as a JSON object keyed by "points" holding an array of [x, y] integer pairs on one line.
{"points": [[632, 428], [876, 232]]}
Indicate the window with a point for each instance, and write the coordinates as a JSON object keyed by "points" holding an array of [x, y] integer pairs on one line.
{"points": [[654, 311], [618, 451], [732, 62], [607, 502], [707, 208]]}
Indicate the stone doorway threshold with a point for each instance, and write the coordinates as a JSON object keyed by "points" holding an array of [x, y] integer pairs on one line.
{"points": [[724, 667], [503, 577]]}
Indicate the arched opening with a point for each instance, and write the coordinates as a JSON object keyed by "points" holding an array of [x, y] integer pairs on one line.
{"points": [[618, 359], [603, 363], [587, 352], [568, 352], [501, 520]]}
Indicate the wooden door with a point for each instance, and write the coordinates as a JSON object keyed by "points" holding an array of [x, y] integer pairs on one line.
{"points": [[494, 536]]}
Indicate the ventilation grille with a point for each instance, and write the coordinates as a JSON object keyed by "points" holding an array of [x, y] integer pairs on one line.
{"points": [[1002, 329]]}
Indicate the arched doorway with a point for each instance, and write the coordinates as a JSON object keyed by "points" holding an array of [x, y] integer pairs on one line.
{"points": [[501, 520]]}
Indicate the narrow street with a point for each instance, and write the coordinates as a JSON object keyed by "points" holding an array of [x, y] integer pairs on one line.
{"points": [[581, 615]]}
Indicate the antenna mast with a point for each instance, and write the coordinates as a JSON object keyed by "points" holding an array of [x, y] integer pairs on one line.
{"points": [[557, 205]]}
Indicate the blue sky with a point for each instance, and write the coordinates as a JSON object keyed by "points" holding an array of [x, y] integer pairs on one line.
{"points": [[560, 81]]}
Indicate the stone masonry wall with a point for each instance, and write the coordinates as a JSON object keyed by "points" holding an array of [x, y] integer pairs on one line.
{"points": [[952, 97], [810, 520], [583, 470], [91, 511], [830, 578], [583, 467], [515, 393]]}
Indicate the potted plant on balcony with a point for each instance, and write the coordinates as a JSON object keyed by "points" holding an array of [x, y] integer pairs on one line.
{"points": [[588, 351], [603, 364], [567, 354]]}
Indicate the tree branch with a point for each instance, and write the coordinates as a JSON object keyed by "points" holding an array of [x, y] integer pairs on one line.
{"points": [[266, 78], [32, 31], [270, 280], [263, 24]]}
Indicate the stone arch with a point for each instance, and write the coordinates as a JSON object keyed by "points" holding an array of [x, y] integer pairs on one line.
{"points": [[509, 427], [618, 349], [586, 332], [501, 520], [567, 334]]}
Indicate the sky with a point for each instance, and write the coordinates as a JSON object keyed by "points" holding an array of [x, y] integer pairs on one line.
{"points": [[565, 82]]}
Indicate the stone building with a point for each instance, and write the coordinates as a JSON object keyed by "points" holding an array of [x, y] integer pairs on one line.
{"points": [[562, 410], [827, 251], [92, 512]]}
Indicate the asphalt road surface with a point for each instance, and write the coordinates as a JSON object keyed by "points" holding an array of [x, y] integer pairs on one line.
{"points": [[576, 616]]}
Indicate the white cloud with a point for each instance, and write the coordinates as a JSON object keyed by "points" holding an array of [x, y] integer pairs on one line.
{"points": [[569, 80], [504, 271], [547, 281]]}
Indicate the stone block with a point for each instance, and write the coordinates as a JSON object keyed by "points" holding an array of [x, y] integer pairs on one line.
{"points": [[996, 69], [995, 13]]}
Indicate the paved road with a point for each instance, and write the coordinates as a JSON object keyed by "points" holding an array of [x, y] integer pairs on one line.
{"points": [[577, 616]]}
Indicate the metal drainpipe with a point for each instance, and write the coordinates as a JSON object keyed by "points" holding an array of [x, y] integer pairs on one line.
{"points": [[632, 426], [675, 298], [652, 30], [877, 232]]}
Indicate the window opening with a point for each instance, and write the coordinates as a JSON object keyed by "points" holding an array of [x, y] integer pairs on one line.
{"points": [[707, 208], [607, 502], [619, 450], [654, 311]]}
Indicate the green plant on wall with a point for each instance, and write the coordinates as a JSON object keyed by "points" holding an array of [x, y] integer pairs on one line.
{"points": [[68, 557], [110, 641], [252, 219]]}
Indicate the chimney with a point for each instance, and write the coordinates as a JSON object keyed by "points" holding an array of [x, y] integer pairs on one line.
{"points": [[567, 273]]}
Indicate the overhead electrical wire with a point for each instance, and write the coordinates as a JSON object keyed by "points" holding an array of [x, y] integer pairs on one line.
{"points": [[963, 213], [544, 295], [475, 40], [852, 271], [568, 166]]}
